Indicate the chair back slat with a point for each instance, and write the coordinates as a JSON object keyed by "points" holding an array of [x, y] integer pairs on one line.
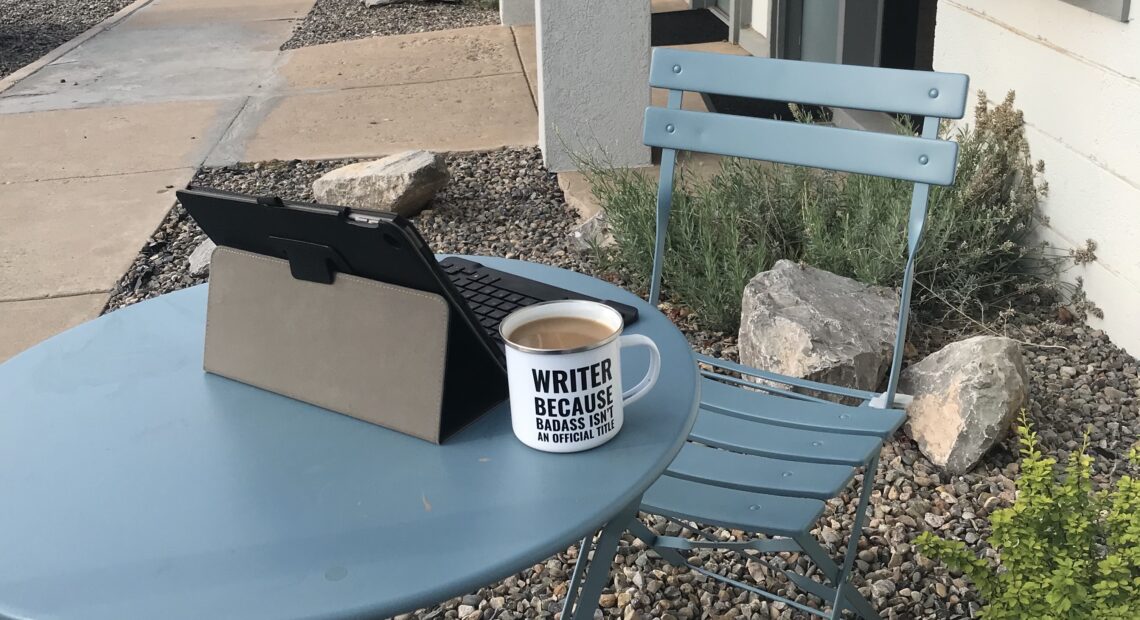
{"points": [[863, 152], [923, 93]]}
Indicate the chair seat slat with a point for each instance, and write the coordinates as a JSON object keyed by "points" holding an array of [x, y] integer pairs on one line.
{"points": [[847, 150], [781, 442], [759, 474], [774, 515], [781, 411], [925, 93]]}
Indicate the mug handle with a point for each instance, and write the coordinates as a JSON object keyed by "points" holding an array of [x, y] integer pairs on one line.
{"points": [[634, 393]]}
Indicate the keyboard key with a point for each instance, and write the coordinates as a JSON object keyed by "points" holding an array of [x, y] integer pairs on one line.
{"points": [[460, 282], [484, 310], [475, 275], [499, 294], [488, 279], [514, 297], [468, 294], [478, 299], [488, 322], [497, 314], [493, 303], [508, 307], [487, 290]]}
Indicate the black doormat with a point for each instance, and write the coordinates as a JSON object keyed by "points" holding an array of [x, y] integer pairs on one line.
{"points": [[686, 27]]}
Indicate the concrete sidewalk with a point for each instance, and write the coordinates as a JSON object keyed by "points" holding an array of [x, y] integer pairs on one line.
{"points": [[96, 141]]}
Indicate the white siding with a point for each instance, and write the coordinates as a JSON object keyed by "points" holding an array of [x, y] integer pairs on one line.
{"points": [[1077, 77], [760, 14]]}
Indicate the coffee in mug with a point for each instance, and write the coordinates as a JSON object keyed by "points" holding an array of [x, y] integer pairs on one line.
{"points": [[560, 332], [564, 373]]}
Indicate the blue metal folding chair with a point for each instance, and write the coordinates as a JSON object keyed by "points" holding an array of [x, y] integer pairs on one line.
{"points": [[765, 459]]}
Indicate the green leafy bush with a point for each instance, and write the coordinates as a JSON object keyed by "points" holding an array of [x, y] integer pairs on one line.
{"points": [[1065, 551], [725, 229]]}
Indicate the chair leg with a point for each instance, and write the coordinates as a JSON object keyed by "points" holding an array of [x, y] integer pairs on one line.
{"points": [[846, 595], [597, 574], [844, 589], [579, 571], [856, 602], [819, 556], [639, 529]]}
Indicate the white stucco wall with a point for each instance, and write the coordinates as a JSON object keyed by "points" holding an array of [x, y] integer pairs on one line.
{"points": [[516, 12], [593, 77], [1077, 77]]}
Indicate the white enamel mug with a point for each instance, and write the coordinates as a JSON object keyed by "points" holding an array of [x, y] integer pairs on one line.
{"points": [[569, 400]]}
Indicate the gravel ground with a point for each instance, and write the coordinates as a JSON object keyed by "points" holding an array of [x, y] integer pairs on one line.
{"points": [[505, 203], [500, 203], [31, 28], [330, 21]]}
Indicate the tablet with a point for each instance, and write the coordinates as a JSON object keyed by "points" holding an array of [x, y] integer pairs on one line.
{"points": [[320, 241]]}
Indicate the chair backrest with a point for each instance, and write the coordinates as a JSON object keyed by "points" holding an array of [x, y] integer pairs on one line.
{"points": [[925, 160]]}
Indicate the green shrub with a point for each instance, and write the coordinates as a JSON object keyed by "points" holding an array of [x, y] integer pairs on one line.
{"points": [[719, 236], [1065, 551], [725, 229]]}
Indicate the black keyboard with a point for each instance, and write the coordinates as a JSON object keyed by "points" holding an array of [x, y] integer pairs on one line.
{"points": [[493, 294]]}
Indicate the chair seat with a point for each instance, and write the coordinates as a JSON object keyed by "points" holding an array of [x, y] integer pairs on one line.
{"points": [[775, 515], [782, 411], [759, 474], [782, 442]]}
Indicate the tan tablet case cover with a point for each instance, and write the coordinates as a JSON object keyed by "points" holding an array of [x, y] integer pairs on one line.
{"points": [[363, 348]]}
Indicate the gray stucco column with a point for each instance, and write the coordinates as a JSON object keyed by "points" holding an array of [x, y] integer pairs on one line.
{"points": [[516, 12], [593, 81]]}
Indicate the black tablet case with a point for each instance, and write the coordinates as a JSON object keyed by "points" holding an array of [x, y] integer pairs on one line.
{"points": [[322, 246]]}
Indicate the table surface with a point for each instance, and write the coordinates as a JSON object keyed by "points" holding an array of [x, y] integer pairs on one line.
{"points": [[135, 485]]}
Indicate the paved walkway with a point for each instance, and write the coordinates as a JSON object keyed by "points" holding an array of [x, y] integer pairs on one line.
{"points": [[96, 141]]}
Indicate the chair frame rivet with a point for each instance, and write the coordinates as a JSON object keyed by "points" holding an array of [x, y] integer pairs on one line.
{"points": [[933, 93], [676, 68], [923, 159], [670, 128]]}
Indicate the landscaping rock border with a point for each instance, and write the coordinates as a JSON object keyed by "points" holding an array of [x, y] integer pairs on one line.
{"points": [[330, 21]]}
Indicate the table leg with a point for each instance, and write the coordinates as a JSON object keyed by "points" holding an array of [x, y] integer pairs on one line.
{"points": [[579, 571], [595, 576]]}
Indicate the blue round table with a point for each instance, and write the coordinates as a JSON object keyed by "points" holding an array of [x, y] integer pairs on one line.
{"points": [[133, 485]]}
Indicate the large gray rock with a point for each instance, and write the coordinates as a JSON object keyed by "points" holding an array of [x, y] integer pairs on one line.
{"points": [[965, 397], [403, 183], [805, 322], [200, 258]]}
